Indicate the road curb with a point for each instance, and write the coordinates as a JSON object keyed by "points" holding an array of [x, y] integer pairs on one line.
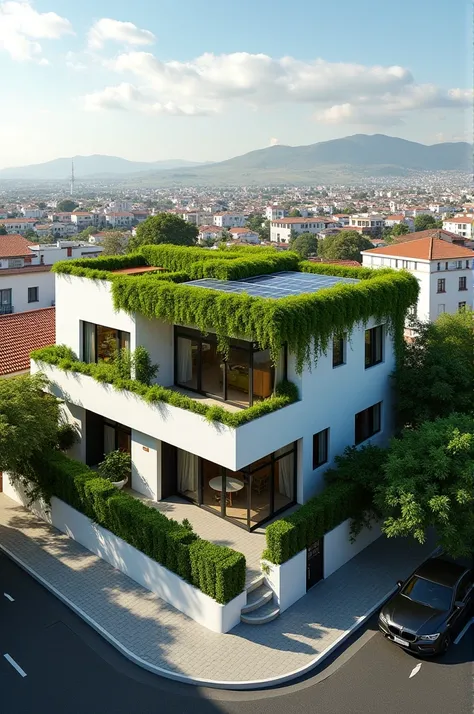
{"points": [[197, 681]]}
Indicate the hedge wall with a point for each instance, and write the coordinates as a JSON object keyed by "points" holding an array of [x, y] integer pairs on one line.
{"points": [[217, 570], [288, 536], [99, 268], [64, 358]]}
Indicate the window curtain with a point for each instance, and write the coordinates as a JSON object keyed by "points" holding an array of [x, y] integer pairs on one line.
{"points": [[109, 439], [185, 360], [89, 351], [187, 472], [286, 472]]}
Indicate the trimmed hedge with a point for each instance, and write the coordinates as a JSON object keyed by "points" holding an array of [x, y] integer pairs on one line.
{"points": [[288, 536], [217, 570], [99, 268], [64, 358], [344, 271]]}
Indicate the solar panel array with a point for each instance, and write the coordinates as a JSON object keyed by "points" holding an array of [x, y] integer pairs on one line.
{"points": [[275, 285]]}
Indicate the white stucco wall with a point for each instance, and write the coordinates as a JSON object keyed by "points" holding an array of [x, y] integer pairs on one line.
{"points": [[146, 465], [288, 580], [19, 285], [76, 416], [338, 548], [453, 296]]}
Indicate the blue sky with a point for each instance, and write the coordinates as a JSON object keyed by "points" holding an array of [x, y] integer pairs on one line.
{"points": [[181, 79]]}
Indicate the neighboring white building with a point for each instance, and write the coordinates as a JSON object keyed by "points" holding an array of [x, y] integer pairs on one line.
{"points": [[119, 206], [367, 222], [443, 270], [398, 218], [31, 212], [272, 213], [84, 219], [62, 217], [461, 225], [55, 230], [245, 235], [198, 218], [341, 218], [16, 226], [207, 233], [229, 220], [281, 230], [120, 219]]}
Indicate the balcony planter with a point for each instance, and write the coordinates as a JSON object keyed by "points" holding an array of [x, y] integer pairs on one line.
{"points": [[120, 484]]}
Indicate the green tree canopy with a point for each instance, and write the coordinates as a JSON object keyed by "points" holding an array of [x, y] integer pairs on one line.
{"points": [[399, 229], [425, 221], [114, 243], [66, 206], [345, 245], [164, 228], [429, 482], [28, 423], [305, 244], [294, 213], [89, 231], [254, 222], [30, 234], [435, 375], [3, 230]]}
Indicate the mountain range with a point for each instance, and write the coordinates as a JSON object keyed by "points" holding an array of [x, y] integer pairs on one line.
{"points": [[343, 160]]}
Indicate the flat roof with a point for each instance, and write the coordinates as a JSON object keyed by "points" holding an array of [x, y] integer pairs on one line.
{"points": [[275, 285]]}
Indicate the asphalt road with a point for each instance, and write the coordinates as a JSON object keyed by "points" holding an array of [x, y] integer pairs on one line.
{"points": [[70, 669]]}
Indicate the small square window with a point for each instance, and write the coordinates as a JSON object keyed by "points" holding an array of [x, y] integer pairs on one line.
{"points": [[338, 351], [320, 448], [33, 294], [374, 346]]}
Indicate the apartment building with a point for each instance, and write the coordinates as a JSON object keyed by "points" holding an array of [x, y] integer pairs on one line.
{"points": [[209, 233], [461, 226], [443, 270], [226, 219], [273, 213], [367, 222], [198, 218], [397, 219], [18, 226], [31, 212], [282, 229], [120, 219]]}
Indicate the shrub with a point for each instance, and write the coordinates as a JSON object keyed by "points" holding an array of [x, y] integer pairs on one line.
{"points": [[217, 570], [116, 466], [338, 502]]}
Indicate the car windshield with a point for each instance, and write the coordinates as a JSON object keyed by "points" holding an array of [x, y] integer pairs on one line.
{"points": [[428, 593]]}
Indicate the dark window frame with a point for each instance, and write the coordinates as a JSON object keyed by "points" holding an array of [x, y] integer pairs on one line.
{"points": [[33, 297], [462, 283], [371, 356], [441, 285], [342, 351], [251, 348], [120, 335], [4, 303], [373, 423], [318, 458]]}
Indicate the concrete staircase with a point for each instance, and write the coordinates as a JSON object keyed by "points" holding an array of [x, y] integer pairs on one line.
{"points": [[260, 607]]}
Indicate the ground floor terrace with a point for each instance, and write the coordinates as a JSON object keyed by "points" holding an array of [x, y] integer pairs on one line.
{"points": [[163, 473]]}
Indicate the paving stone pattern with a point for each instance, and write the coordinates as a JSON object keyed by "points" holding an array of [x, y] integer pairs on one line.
{"points": [[164, 637]]}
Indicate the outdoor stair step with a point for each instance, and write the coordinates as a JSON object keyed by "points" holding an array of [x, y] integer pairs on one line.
{"points": [[257, 598], [256, 583], [265, 613]]}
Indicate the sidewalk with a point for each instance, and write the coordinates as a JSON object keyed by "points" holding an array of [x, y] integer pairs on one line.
{"points": [[160, 638]]}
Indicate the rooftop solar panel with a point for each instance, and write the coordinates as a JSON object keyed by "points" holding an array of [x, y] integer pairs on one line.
{"points": [[275, 285]]}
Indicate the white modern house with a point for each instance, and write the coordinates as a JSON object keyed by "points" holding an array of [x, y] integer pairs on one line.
{"points": [[282, 229], [442, 268], [273, 213], [245, 235], [367, 222], [398, 218], [227, 219], [120, 219], [461, 225]]}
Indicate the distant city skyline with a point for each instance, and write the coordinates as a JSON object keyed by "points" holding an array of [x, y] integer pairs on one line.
{"points": [[155, 81]]}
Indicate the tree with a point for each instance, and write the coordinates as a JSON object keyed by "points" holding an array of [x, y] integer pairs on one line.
{"points": [[114, 243], [30, 234], [435, 375], [29, 421], [425, 221], [429, 482], [305, 244], [164, 228], [3, 231], [66, 206], [84, 235], [399, 229], [42, 205], [254, 222], [345, 245], [294, 213]]}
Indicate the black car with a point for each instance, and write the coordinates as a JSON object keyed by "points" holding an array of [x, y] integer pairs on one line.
{"points": [[430, 608]]}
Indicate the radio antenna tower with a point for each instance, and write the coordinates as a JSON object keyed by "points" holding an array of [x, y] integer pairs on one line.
{"points": [[72, 178]]}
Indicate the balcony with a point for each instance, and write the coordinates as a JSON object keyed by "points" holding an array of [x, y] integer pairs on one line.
{"points": [[6, 309]]}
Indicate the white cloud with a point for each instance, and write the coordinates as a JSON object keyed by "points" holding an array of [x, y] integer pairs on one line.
{"points": [[340, 92], [274, 141], [21, 25], [74, 63], [125, 33], [126, 96]]}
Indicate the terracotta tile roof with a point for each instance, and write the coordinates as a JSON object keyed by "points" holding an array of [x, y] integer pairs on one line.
{"points": [[25, 270], [4, 221], [302, 220], [14, 246], [21, 333], [462, 219], [429, 233], [424, 249]]}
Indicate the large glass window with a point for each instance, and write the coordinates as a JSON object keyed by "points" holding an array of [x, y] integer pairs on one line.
{"points": [[6, 301], [367, 423], [102, 343], [373, 346], [244, 377]]}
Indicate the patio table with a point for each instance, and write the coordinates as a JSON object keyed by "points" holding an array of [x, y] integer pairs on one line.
{"points": [[232, 485]]}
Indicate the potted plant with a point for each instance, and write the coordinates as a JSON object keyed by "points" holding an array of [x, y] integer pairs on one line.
{"points": [[116, 467]]}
